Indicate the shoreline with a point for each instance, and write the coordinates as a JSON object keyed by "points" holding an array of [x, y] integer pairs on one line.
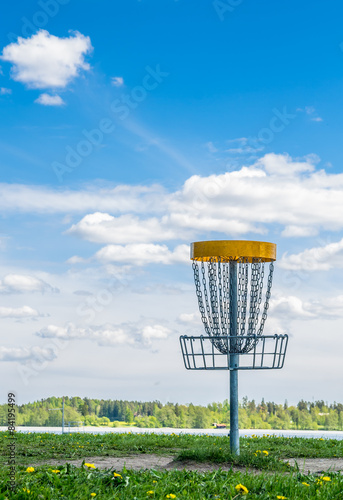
{"points": [[326, 434]]}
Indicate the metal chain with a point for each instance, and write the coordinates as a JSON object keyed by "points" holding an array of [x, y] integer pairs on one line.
{"points": [[268, 294], [213, 293], [221, 303], [199, 296], [206, 296], [212, 277]]}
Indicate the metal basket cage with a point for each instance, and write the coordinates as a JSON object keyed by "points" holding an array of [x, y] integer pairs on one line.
{"points": [[200, 353]]}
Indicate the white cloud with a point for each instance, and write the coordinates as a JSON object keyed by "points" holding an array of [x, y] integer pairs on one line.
{"points": [[315, 259], [50, 100], [47, 61], [276, 190], [27, 354], [312, 113], [117, 81], [104, 228], [121, 199], [290, 308], [298, 231], [132, 334], [5, 91], [190, 318], [144, 253], [18, 283], [18, 312]]}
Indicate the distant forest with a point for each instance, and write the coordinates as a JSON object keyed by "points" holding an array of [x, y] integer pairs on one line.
{"points": [[115, 413]]}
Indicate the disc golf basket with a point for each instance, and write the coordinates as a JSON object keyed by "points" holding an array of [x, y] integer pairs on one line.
{"points": [[229, 280]]}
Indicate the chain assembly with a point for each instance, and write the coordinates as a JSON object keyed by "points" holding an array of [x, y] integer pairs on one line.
{"points": [[215, 287]]}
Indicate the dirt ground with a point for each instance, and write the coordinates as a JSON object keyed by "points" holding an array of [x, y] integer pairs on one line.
{"points": [[164, 462]]}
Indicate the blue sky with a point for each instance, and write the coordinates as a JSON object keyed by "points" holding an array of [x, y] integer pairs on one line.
{"points": [[130, 129]]}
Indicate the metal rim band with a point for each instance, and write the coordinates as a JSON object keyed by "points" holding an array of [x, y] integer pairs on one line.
{"points": [[233, 250]]}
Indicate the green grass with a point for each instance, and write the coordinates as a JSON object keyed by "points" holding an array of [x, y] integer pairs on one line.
{"points": [[79, 482], [266, 454]]}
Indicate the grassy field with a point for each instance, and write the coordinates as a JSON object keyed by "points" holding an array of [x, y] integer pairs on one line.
{"points": [[267, 455]]}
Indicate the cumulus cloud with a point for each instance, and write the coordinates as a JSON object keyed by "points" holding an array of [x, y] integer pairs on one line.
{"points": [[19, 283], [276, 190], [104, 228], [50, 100], [47, 61], [321, 258], [18, 312], [132, 334], [144, 253], [190, 318], [27, 354], [291, 308]]}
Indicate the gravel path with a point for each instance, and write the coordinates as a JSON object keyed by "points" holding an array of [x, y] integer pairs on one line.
{"points": [[160, 462]]}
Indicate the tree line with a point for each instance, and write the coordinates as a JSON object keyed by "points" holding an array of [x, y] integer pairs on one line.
{"points": [[252, 415]]}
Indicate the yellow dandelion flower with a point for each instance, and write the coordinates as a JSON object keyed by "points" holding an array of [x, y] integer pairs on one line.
{"points": [[280, 497], [154, 481], [325, 478], [321, 439], [93, 494], [91, 466], [56, 471], [30, 469], [117, 475], [150, 492], [265, 452], [242, 489], [305, 484], [171, 495]]}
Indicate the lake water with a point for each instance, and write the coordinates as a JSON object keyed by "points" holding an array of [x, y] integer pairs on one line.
{"points": [[168, 430]]}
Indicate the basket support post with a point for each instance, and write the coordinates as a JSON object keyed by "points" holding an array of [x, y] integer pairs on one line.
{"points": [[234, 362]]}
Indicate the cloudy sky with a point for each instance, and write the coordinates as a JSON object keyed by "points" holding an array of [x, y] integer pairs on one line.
{"points": [[130, 129]]}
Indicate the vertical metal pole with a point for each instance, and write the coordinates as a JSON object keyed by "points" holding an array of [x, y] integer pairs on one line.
{"points": [[63, 415], [234, 362]]}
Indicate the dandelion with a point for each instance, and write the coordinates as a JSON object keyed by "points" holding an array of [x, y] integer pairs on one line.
{"points": [[154, 481], [280, 497], [117, 475], [265, 452], [56, 471], [27, 491], [241, 489], [305, 484], [325, 478], [150, 492], [90, 466], [93, 494], [30, 469], [171, 495]]}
